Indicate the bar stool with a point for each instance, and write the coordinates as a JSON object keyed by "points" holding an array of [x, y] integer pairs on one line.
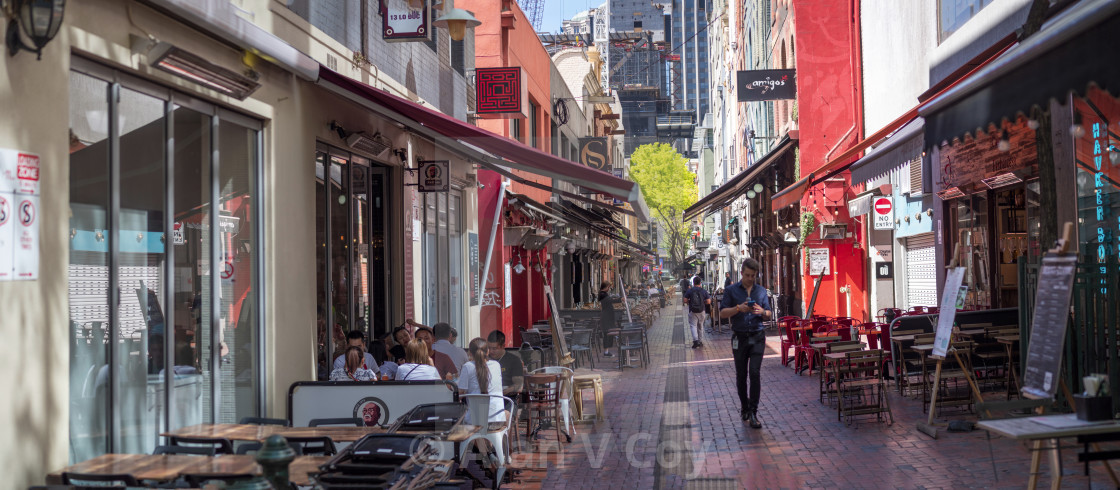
{"points": [[588, 382]]}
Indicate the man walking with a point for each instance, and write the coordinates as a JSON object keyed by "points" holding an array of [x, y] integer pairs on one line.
{"points": [[697, 301], [747, 305]]}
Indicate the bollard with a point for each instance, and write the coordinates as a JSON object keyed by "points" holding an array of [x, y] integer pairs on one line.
{"points": [[274, 457]]}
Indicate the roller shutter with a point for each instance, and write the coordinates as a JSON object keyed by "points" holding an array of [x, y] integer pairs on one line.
{"points": [[921, 273]]}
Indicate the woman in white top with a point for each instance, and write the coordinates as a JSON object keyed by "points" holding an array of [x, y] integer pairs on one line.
{"points": [[354, 369], [488, 381], [417, 366]]}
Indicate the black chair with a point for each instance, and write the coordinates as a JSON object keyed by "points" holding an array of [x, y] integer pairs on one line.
{"points": [[220, 446], [263, 421], [322, 445], [200, 480], [580, 345], [77, 479], [631, 340], [195, 450], [248, 447], [356, 422]]}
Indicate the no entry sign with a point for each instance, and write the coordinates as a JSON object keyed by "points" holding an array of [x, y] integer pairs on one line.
{"points": [[884, 213]]}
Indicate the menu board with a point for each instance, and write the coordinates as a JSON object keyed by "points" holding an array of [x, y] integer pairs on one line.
{"points": [[947, 313], [558, 341], [1048, 329], [813, 300]]}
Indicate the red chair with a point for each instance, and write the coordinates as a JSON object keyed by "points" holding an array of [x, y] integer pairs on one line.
{"points": [[803, 353], [788, 335], [916, 310], [933, 309]]}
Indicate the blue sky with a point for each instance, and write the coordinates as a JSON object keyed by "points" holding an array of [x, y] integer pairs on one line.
{"points": [[556, 11]]}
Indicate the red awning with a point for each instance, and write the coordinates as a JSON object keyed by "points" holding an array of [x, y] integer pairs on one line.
{"points": [[791, 194], [513, 153]]}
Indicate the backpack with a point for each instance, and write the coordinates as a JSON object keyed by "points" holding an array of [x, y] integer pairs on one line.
{"points": [[696, 300]]}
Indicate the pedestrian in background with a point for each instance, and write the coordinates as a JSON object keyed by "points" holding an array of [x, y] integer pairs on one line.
{"points": [[747, 305], [697, 301], [606, 316]]}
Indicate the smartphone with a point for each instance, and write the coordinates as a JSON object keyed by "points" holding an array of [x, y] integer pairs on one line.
{"points": [[750, 303]]}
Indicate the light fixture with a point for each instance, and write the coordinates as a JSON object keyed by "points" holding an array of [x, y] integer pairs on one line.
{"points": [[456, 21], [1114, 155], [40, 19], [519, 268], [751, 194], [758, 187], [1032, 123], [1004, 143], [190, 66], [1076, 129]]}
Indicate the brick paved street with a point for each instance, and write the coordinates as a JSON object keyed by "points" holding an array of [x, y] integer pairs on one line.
{"points": [[663, 432]]}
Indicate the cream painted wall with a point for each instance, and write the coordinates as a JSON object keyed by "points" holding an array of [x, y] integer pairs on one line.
{"points": [[34, 324]]}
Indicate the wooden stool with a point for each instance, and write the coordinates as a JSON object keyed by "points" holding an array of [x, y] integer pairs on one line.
{"points": [[588, 382]]}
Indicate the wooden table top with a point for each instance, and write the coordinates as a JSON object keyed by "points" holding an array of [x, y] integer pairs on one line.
{"points": [[922, 348], [1007, 339], [973, 332], [167, 467], [1037, 427], [249, 432]]}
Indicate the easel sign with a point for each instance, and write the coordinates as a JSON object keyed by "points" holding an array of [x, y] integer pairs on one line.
{"points": [[625, 300], [562, 355], [813, 300], [947, 314], [1048, 329]]}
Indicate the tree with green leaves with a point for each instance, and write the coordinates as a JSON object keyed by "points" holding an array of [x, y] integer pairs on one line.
{"points": [[669, 188]]}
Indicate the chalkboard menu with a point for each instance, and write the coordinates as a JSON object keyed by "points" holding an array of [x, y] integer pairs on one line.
{"points": [[813, 300], [948, 311], [1048, 330]]}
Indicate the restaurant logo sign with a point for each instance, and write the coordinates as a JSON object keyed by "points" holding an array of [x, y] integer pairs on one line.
{"points": [[500, 92], [593, 153], [372, 411], [756, 85], [434, 176], [400, 22]]}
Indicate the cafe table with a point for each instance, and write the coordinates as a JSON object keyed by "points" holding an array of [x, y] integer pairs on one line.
{"points": [[924, 350], [251, 432], [168, 467], [1050, 428]]}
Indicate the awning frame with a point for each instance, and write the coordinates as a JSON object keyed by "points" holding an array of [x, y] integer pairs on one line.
{"points": [[733, 188]]}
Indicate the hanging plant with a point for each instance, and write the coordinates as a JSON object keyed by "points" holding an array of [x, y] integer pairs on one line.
{"points": [[808, 221]]}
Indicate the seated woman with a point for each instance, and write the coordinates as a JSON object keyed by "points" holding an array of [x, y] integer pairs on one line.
{"points": [[354, 369], [486, 380], [417, 365]]}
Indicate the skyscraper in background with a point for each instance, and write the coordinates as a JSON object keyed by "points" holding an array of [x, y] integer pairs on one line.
{"points": [[688, 66]]}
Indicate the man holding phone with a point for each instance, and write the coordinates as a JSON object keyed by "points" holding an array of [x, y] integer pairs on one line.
{"points": [[747, 305]]}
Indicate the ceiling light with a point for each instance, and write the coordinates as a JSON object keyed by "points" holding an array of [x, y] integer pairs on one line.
{"points": [[196, 69]]}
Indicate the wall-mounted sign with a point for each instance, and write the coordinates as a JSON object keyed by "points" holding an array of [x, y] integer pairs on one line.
{"points": [[754, 85], [818, 262], [19, 215], [472, 259], [884, 213], [593, 153], [401, 22], [501, 92], [434, 176], [884, 270]]}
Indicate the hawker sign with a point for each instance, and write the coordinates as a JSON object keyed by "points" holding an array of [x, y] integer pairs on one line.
{"points": [[884, 213], [755, 85]]}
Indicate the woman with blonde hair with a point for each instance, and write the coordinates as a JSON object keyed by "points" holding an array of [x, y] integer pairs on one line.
{"points": [[354, 369], [417, 365], [483, 376]]}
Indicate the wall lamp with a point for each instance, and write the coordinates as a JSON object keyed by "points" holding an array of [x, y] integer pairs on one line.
{"points": [[40, 20], [456, 21]]}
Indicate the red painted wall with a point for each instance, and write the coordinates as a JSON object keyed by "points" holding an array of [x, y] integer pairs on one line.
{"points": [[829, 102]]}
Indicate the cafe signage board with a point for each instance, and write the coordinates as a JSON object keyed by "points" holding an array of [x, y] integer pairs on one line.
{"points": [[401, 22], [1048, 327], [593, 153], [758, 85], [434, 176], [818, 262]]}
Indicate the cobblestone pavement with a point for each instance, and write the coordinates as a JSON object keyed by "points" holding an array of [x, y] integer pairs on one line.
{"points": [[675, 424]]}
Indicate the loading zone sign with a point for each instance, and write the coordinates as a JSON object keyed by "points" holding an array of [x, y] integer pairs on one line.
{"points": [[19, 215], [434, 176], [884, 213]]}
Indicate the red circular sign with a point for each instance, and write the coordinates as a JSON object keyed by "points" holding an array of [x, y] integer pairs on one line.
{"points": [[883, 205]]}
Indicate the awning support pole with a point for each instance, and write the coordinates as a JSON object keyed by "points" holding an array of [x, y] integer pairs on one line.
{"points": [[493, 234]]}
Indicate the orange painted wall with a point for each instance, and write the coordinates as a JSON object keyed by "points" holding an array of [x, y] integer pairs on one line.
{"points": [[515, 44]]}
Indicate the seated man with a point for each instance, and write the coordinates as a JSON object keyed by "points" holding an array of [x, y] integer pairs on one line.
{"points": [[443, 364], [356, 339], [513, 371]]}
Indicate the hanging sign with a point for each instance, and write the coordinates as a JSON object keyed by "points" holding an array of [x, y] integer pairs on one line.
{"points": [[19, 215], [756, 85], [434, 176], [593, 153], [500, 92], [472, 258], [401, 22], [884, 213], [818, 262]]}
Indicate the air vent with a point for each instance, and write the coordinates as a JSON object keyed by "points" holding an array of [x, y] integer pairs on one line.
{"points": [[950, 193], [833, 232], [374, 145]]}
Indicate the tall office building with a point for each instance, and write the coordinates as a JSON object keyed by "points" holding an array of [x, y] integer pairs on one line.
{"points": [[688, 65]]}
